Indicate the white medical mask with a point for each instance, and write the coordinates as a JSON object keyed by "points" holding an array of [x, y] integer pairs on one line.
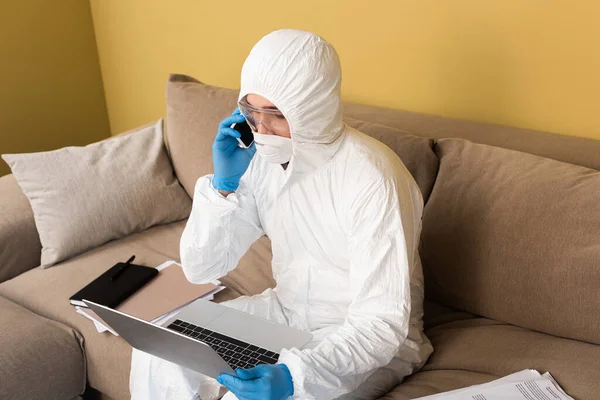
{"points": [[274, 149]]}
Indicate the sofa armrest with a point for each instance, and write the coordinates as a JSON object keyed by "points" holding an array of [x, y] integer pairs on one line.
{"points": [[20, 247]]}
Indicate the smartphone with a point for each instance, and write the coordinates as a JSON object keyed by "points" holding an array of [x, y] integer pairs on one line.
{"points": [[247, 138]]}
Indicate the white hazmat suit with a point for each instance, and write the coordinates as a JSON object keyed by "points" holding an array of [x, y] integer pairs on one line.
{"points": [[344, 221]]}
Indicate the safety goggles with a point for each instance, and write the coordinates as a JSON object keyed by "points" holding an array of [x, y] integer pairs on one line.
{"points": [[270, 119]]}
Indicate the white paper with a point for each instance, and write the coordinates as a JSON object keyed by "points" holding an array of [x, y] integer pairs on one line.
{"points": [[166, 264], [523, 385], [547, 375], [516, 377], [100, 327], [539, 389]]}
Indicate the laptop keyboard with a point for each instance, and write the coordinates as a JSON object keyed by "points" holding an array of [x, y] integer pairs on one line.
{"points": [[236, 353]]}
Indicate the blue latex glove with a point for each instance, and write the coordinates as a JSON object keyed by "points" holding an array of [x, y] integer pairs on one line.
{"points": [[230, 161], [263, 382]]}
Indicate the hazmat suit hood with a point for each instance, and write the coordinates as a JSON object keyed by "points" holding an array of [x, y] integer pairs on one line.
{"points": [[299, 72]]}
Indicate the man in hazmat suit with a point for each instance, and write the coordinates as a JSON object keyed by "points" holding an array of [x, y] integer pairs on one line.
{"points": [[344, 218]]}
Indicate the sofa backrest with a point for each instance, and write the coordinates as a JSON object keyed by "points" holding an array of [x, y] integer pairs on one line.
{"points": [[574, 150]]}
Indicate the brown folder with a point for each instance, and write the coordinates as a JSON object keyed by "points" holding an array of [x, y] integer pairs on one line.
{"points": [[165, 293]]}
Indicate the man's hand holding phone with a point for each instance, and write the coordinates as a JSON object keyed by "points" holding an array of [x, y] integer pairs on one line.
{"points": [[230, 161]]}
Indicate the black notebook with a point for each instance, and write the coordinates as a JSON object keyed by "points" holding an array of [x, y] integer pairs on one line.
{"points": [[115, 285]]}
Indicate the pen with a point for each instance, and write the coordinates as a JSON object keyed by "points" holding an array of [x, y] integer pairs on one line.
{"points": [[120, 270]]}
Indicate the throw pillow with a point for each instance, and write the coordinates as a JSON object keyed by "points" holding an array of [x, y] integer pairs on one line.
{"points": [[83, 197]]}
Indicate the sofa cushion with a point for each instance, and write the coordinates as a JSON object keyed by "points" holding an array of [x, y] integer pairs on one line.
{"points": [[481, 345], [17, 231], [83, 197], [514, 237], [39, 358], [469, 350], [194, 111], [47, 292]]}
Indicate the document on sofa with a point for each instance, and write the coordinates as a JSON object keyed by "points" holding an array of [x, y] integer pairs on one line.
{"points": [[524, 385], [157, 302]]}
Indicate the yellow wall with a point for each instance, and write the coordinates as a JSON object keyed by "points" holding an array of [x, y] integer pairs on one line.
{"points": [[51, 91], [524, 63]]}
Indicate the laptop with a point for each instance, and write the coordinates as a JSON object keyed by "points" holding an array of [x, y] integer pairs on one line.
{"points": [[206, 337]]}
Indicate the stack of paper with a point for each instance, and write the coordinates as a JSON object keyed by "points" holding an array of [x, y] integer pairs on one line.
{"points": [[524, 385], [160, 299]]}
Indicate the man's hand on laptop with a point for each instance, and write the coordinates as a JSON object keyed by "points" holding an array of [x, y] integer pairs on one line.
{"points": [[263, 382]]}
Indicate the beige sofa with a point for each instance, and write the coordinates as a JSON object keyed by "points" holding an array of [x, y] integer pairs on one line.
{"points": [[510, 251]]}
